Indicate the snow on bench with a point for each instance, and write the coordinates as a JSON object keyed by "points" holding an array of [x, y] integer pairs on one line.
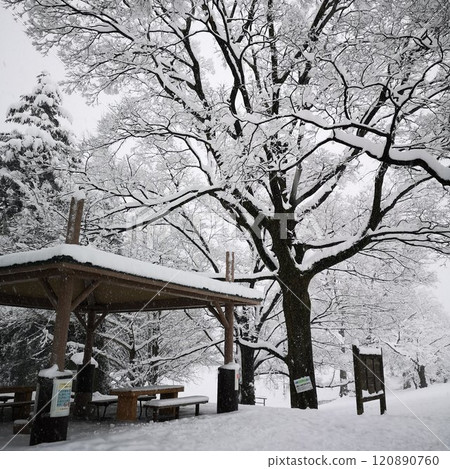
{"points": [[175, 402], [102, 400], [141, 400], [261, 400], [23, 406], [4, 397], [22, 426]]}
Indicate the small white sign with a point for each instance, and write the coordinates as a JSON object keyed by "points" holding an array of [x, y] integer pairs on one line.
{"points": [[62, 389], [303, 384]]}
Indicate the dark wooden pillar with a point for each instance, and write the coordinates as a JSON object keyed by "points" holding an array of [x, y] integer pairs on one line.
{"points": [[90, 334], [74, 222], [228, 374], [229, 313], [48, 428], [63, 310], [86, 372], [65, 295]]}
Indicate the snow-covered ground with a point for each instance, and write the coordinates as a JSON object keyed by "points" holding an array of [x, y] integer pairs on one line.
{"points": [[417, 420]]}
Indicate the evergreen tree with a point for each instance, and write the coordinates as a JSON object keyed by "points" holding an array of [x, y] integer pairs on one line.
{"points": [[34, 153], [25, 344]]}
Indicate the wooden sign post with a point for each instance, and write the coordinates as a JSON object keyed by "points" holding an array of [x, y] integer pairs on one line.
{"points": [[369, 377]]}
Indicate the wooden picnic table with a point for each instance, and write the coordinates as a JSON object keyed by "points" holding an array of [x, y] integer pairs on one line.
{"points": [[128, 398], [22, 394]]}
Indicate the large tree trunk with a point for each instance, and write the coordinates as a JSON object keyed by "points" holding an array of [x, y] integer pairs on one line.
{"points": [[343, 389], [86, 372], [422, 377], [248, 375], [297, 312]]}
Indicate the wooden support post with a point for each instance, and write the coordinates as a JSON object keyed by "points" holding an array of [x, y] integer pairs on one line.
{"points": [[358, 381], [86, 372], [74, 222], [229, 312], [63, 310], [227, 379], [229, 270], [90, 333], [229, 334], [65, 296]]}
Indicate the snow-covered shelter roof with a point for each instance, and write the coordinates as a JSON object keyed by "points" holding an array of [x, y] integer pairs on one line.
{"points": [[106, 283]]}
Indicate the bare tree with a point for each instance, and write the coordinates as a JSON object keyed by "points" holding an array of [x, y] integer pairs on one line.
{"points": [[283, 111], [419, 340]]}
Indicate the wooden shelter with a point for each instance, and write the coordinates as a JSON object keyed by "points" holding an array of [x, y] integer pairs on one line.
{"points": [[92, 283]]}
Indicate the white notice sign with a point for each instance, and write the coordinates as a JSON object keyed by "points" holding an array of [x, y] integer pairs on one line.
{"points": [[303, 384], [62, 388]]}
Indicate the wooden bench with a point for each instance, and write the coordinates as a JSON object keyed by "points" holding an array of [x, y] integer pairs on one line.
{"points": [[141, 400], [6, 397], [24, 407], [261, 400], [104, 401], [175, 402], [22, 427]]}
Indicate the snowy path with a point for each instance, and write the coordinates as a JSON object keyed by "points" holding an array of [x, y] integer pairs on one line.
{"points": [[424, 425]]}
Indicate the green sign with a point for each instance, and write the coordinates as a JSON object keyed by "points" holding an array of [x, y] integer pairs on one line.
{"points": [[303, 384]]}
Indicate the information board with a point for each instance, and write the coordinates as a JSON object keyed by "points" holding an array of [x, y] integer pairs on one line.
{"points": [[303, 384], [62, 389]]}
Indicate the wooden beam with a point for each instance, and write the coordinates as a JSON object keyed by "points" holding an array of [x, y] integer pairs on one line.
{"points": [[51, 295], [91, 273], [22, 274], [38, 303], [143, 306], [99, 320], [218, 313], [80, 319], [93, 320], [85, 293]]}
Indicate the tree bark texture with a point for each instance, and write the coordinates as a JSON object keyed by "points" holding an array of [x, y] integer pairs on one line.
{"points": [[422, 376], [248, 375], [297, 312]]}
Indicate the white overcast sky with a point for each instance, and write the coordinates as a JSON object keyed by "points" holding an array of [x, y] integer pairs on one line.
{"points": [[20, 63]]}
